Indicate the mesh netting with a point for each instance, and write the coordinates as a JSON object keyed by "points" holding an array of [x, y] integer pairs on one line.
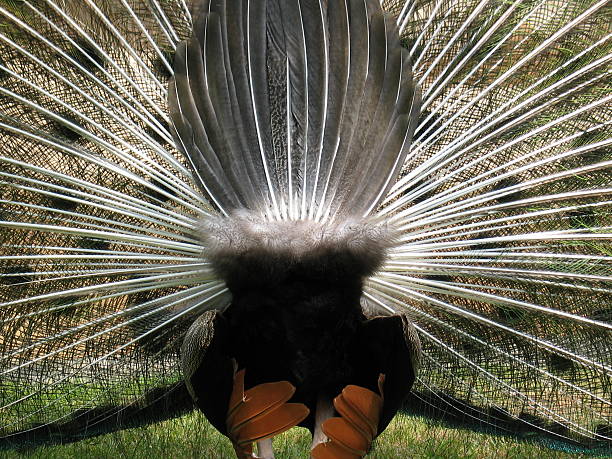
{"points": [[504, 262]]}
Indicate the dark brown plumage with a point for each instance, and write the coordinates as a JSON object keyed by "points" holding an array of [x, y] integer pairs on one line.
{"points": [[302, 111], [296, 315], [316, 83]]}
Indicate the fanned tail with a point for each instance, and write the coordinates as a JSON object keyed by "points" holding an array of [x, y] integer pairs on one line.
{"points": [[297, 110], [100, 270], [504, 209], [304, 110]]}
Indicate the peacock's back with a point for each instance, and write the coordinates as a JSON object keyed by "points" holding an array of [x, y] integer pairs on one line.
{"points": [[502, 205]]}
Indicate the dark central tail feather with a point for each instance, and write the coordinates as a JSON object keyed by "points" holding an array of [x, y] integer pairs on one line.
{"points": [[387, 345], [294, 108], [296, 288], [302, 331]]}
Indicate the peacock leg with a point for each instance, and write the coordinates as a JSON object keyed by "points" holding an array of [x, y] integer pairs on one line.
{"points": [[264, 449], [324, 411]]}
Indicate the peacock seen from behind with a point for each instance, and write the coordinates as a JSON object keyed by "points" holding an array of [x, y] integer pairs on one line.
{"points": [[305, 212]]}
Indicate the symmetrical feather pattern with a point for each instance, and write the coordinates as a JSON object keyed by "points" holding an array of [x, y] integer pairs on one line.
{"points": [[501, 210], [319, 102]]}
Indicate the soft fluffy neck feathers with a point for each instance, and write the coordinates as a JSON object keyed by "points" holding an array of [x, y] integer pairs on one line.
{"points": [[246, 250]]}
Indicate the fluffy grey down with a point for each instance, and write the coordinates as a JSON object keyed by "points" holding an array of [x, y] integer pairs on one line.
{"points": [[245, 248]]}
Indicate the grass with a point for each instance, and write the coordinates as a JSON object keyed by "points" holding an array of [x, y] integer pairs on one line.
{"points": [[191, 436]]}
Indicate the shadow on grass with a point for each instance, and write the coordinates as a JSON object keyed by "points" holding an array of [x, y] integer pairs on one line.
{"points": [[164, 425]]}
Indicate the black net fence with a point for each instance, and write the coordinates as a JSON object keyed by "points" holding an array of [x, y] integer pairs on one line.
{"points": [[503, 206]]}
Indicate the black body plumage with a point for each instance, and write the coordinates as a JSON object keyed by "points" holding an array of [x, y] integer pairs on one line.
{"points": [[296, 314], [280, 107], [302, 328], [135, 135]]}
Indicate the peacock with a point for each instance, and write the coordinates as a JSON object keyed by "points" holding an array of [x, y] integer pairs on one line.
{"points": [[306, 212]]}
